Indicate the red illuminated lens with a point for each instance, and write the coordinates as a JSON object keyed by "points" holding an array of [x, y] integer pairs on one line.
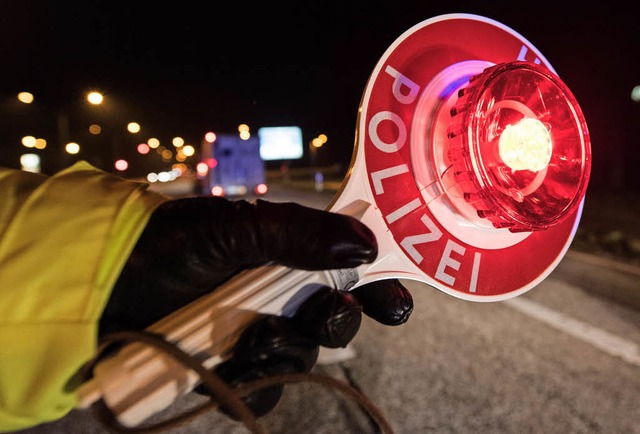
{"points": [[519, 147]]}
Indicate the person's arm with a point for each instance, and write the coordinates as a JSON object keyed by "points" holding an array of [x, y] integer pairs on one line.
{"points": [[63, 242], [84, 248]]}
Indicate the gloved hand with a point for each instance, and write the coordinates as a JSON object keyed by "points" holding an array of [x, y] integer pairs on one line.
{"points": [[192, 245]]}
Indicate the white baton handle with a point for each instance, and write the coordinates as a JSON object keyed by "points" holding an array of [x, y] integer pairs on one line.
{"points": [[140, 381]]}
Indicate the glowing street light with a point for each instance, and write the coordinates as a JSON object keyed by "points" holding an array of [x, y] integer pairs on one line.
{"points": [[95, 98], [188, 150], [314, 145], [72, 148], [243, 129], [177, 142], [25, 97], [133, 127], [29, 141], [30, 162]]}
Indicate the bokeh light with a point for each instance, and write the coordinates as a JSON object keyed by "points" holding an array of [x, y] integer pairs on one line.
{"points": [[121, 165], [202, 168], [72, 148], [143, 148], [133, 127], [635, 94], [95, 98], [210, 137], [177, 142], [30, 162], [188, 150], [41, 143], [25, 97], [29, 141]]}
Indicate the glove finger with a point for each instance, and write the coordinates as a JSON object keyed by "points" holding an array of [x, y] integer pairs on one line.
{"points": [[273, 339], [329, 317], [193, 244], [270, 346], [387, 301], [260, 401], [277, 345], [300, 237]]}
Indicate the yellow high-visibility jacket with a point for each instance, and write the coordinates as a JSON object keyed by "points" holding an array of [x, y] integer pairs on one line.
{"points": [[63, 241]]}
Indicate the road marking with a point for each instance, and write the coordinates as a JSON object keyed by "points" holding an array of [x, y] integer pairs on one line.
{"points": [[603, 340]]}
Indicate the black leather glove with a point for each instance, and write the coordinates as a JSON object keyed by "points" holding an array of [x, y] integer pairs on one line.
{"points": [[192, 245]]}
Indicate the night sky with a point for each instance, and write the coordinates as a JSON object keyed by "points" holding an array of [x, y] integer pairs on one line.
{"points": [[185, 68]]}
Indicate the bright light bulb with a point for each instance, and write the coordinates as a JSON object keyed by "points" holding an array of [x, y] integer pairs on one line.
{"points": [[95, 98], [133, 127], [188, 150], [29, 141], [210, 137], [25, 97], [121, 165], [72, 148], [30, 162], [526, 145]]}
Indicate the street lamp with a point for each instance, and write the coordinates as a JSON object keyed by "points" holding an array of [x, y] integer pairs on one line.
{"points": [[314, 145], [64, 131], [95, 98], [25, 97]]}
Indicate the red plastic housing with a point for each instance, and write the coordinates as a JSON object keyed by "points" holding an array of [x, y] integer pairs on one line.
{"points": [[519, 147]]}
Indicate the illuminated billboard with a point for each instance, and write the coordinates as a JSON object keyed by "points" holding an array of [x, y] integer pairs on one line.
{"points": [[280, 143]]}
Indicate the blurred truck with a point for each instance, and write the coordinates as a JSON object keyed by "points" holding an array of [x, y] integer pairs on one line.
{"points": [[235, 166]]}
